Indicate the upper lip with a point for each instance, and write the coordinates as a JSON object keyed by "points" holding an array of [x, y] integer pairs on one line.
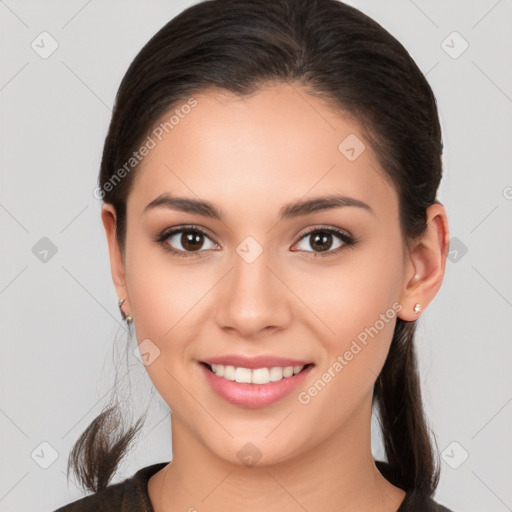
{"points": [[263, 361]]}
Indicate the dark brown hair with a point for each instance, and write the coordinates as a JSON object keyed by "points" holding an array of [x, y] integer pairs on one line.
{"points": [[335, 52]]}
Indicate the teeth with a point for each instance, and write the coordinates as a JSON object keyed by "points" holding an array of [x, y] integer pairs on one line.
{"points": [[256, 376], [243, 375]]}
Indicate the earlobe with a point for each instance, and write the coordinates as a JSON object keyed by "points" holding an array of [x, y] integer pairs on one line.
{"points": [[426, 264], [109, 220]]}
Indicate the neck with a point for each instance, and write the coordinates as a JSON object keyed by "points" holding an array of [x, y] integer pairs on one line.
{"points": [[339, 474]]}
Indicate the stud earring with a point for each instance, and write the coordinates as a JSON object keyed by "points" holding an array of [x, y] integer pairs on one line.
{"points": [[417, 308], [128, 318]]}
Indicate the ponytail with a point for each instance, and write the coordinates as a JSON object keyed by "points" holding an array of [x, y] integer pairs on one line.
{"points": [[397, 394], [98, 452]]}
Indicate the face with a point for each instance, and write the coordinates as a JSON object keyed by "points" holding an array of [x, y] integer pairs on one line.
{"points": [[320, 288]]}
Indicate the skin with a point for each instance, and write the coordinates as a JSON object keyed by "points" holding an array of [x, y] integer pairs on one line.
{"points": [[249, 157]]}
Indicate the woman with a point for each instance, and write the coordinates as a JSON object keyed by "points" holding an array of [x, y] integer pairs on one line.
{"points": [[269, 182]]}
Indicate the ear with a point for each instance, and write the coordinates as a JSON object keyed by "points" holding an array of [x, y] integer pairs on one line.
{"points": [[425, 263], [117, 267]]}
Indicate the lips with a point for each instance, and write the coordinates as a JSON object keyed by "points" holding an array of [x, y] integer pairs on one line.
{"points": [[250, 394]]}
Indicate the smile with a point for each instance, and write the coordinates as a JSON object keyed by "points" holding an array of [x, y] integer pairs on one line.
{"points": [[254, 387], [255, 376]]}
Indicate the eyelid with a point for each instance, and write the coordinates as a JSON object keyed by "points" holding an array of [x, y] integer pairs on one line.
{"points": [[323, 228], [166, 233]]}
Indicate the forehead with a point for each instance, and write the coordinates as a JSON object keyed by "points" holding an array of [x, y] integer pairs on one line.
{"points": [[275, 145]]}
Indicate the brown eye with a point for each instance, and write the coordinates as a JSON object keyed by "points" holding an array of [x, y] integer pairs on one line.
{"points": [[185, 241], [191, 240], [323, 240]]}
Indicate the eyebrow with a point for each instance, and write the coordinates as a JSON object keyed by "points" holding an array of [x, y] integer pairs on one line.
{"points": [[288, 211]]}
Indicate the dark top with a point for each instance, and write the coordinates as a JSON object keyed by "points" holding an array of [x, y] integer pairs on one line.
{"points": [[131, 495]]}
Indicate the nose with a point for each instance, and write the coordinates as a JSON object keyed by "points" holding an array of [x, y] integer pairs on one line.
{"points": [[253, 299]]}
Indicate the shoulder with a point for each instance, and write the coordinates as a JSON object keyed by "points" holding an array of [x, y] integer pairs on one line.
{"points": [[414, 501], [130, 495]]}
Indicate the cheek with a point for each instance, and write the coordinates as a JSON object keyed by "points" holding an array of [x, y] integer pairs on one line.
{"points": [[361, 312], [162, 292], [162, 300], [354, 295], [356, 354]]}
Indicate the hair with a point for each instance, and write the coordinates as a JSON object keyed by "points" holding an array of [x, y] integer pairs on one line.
{"points": [[332, 51]]}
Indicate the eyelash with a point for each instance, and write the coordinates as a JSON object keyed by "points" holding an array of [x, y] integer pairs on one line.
{"points": [[348, 241]]}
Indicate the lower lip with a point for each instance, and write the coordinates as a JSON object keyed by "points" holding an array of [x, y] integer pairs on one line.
{"points": [[254, 395]]}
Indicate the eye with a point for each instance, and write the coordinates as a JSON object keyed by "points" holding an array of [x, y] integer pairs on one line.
{"points": [[323, 241], [188, 239]]}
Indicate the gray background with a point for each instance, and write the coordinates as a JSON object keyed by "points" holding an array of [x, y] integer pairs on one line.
{"points": [[61, 331]]}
